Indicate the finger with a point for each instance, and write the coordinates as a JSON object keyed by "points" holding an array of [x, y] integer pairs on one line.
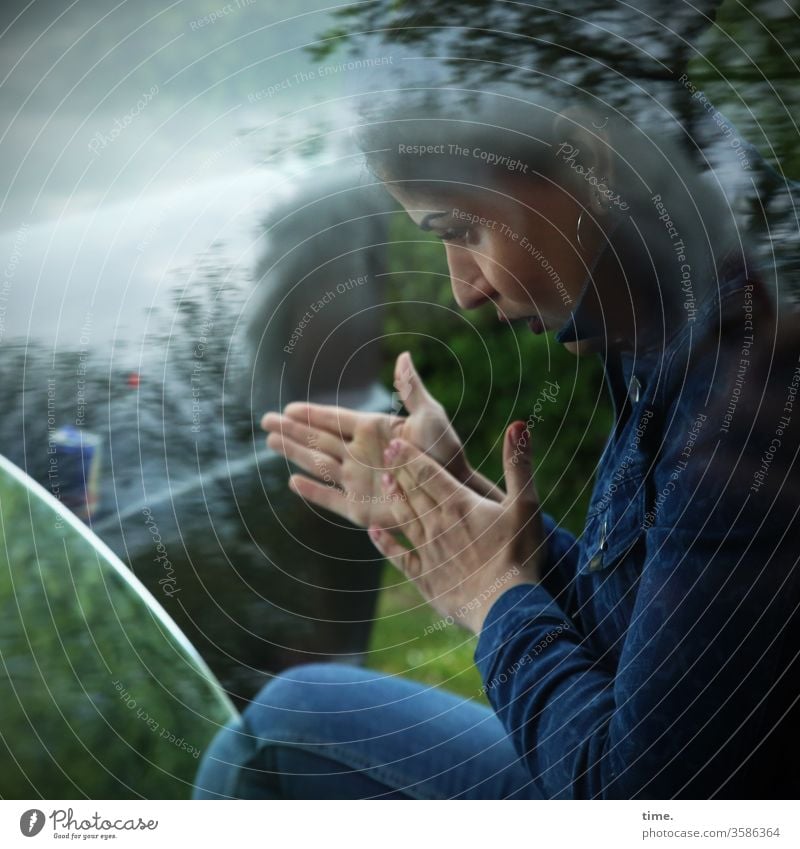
{"points": [[296, 431], [518, 466], [418, 473], [409, 516], [323, 495], [412, 502], [409, 384], [336, 420], [310, 460], [402, 558]]}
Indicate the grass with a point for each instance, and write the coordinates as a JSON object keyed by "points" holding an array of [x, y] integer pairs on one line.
{"points": [[400, 644]]}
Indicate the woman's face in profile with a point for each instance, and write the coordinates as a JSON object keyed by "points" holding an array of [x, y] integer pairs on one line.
{"points": [[519, 252]]}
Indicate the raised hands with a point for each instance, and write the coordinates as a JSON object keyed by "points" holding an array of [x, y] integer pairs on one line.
{"points": [[466, 549], [342, 450], [410, 474]]}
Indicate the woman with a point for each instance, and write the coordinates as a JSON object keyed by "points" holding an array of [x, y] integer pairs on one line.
{"points": [[656, 656]]}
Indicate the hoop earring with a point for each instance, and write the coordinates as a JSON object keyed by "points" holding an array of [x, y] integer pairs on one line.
{"points": [[578, 232]]}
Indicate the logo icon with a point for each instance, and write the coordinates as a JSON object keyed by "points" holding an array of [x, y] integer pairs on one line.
{"points": [[31, 822]]}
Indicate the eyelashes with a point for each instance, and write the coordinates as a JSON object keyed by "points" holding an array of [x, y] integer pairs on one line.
{"points": [[454, 235]]}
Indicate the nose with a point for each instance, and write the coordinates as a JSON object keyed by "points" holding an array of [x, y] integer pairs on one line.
{"points": [[470, 287]]}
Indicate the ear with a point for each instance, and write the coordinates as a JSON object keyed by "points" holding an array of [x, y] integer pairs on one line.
{"points": [[582, 145]]}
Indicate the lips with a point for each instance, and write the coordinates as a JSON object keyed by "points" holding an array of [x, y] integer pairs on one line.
{"points": [[535, 324]]}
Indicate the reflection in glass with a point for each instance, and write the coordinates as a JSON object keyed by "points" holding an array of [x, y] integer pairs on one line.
{"points": [[102, 696]]}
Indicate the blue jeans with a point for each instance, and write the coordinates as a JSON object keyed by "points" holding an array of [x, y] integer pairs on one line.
{"points": [[331, 731]]}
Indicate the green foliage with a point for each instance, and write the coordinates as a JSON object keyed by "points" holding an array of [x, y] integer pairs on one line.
{"points": [[748, 69], [410, 639], [511, 39]]}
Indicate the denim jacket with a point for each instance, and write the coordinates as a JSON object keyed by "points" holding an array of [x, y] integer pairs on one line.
{"points": [[657, 657]]}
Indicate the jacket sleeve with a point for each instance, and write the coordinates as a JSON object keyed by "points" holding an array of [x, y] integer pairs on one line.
{"points": [[702, 657], [561, 565]]}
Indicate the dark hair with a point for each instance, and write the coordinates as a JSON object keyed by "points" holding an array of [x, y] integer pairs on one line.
{"points": [[468, 141], [438, 145]]}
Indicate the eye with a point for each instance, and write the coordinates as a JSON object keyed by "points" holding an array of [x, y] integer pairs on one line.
{"points": [[454, 235]]}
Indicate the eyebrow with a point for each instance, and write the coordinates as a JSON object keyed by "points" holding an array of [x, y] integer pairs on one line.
{"points": [[425, 224]]}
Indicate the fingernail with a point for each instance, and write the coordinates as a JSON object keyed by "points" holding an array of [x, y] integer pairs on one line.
{"points": [[387, 480], [374, 533]]}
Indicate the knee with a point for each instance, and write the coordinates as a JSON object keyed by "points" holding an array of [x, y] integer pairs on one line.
{"points": [[296, 683], [293, 699]]}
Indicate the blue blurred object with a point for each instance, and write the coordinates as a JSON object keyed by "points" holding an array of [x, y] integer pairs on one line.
{"points": [[74, 471]]}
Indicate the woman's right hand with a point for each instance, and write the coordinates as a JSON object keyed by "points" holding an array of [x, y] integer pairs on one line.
{"points": [[343, 449]]}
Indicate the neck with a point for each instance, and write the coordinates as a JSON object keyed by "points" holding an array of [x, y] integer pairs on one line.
{"points": [[652, 272]]}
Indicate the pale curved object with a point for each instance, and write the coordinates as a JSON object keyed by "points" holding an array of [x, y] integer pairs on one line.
{"points": [[101, 695]]}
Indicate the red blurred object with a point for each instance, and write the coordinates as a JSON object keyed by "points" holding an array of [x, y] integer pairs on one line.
{"points": [[133, 380]]}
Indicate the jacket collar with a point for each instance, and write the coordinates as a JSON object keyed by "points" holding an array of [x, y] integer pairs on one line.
{"points": [[634, 301]]}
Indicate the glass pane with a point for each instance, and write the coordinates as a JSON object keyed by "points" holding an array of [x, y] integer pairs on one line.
{"points": [[102, 696]]}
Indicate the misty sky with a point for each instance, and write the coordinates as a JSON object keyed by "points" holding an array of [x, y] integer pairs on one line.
{"points": [[102, 101]]}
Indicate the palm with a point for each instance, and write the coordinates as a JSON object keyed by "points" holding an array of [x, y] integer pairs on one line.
{"points": [[343, 449], [362, 468], [427, 427]]}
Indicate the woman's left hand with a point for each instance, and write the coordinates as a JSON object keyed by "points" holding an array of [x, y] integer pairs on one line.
{"points": [[467, 549]]}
